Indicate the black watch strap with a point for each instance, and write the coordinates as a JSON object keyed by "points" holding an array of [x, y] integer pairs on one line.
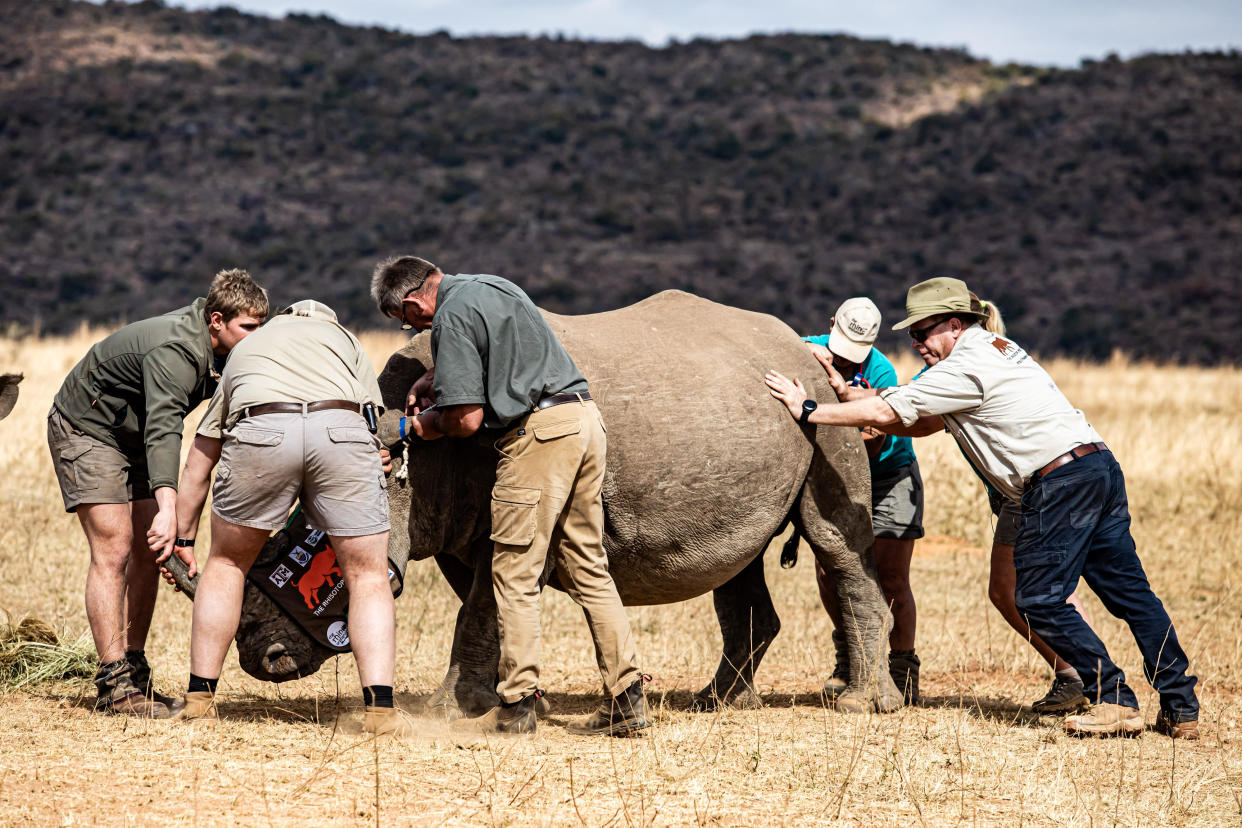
{"points": [[184, 542], [807, 407]]}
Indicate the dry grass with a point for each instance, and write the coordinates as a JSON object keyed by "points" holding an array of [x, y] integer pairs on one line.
{"points": [[292, 754]]}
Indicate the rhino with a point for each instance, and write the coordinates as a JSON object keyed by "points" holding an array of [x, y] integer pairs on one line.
{"points": [[8, 393], [704, 469]]}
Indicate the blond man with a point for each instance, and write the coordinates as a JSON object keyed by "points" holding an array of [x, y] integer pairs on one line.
{"points": [[115, 436]]}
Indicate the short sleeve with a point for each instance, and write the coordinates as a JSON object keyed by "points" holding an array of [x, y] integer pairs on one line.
{"points": [[460, 371], [212, 424]]}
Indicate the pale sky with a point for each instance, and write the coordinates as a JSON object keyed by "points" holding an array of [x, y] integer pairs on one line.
{"points": [[1059, 32]]}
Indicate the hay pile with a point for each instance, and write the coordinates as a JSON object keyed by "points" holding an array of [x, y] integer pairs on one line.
{"points": [[31, 653]]}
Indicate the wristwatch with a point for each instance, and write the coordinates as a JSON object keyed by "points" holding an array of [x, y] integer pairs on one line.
{"points": [[807, 407], [183, 542]]}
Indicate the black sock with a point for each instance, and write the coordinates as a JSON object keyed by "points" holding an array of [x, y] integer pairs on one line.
{"points": [[377, 695], [198, 684]]}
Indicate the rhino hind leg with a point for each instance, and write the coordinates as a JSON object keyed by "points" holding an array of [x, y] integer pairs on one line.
{"points": [[748, 625], [839, 533]]}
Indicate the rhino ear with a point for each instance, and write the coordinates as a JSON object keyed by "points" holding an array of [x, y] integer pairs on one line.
{"points": [[8, 392]]}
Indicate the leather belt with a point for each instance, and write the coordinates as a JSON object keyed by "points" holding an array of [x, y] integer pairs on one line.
{"points": [[1069, 457], [559, 399], [298, 408]]}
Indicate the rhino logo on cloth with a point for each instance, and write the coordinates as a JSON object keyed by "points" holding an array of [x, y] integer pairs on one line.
{"points": [[323, 567]]}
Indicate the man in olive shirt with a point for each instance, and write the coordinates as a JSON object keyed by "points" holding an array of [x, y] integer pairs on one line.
{"points": [[115, 436], [498, 365], [286, 425]]}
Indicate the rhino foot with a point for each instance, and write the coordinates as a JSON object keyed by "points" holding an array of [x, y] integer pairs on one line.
{"points": [[708, 700], [882, 698], [442, 705]]}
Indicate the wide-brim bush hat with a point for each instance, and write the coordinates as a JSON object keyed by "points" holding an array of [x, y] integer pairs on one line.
{"points": [[937, 296]]}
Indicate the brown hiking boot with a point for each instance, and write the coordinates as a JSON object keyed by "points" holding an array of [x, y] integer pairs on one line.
{"points": [[903, 668], [387, 721], [118, 696], [623, 715], [1171, 727], [1105, 719], [140, 672], [199, 706], [517, 718], [840, 678]]}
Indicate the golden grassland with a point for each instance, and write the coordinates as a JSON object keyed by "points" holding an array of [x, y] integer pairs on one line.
{"points": [[972, 753]]}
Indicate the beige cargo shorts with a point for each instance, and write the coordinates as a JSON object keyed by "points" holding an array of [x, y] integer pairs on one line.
{"points": [[328, 459], [91, 471]]}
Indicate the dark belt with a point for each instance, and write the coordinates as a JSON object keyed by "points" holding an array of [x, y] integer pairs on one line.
{"points": [[1069, 457], [298, 408], [559, 399]]}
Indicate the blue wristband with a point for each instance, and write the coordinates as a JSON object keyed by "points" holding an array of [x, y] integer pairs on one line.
{"points": [[401, 428]]}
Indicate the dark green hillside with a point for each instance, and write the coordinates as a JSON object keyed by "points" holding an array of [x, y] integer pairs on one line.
{"points": [[142, 148]]}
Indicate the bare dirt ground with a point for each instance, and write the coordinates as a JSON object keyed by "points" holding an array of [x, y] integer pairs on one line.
{"points": [[972, 752]]}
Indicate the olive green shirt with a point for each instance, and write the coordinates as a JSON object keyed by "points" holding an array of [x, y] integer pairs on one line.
{"points": [[302, 355], [493, 347], [133, 389]]}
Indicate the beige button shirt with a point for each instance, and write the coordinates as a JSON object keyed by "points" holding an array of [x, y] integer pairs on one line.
{"points": [[299, 356], [1003, 409]]}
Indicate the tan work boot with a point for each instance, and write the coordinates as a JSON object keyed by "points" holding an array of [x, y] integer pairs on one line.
{"points": [[1105, 719], [622, 715], [1166, 724], [516, 719], [199, 706], [387, 721], [119, 696], [840, 678]]}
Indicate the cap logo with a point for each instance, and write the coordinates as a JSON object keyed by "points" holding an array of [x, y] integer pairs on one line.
{"points": [[857, 328]]}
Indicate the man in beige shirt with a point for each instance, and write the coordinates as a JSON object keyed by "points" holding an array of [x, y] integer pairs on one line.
{"points": [[286, 424], [1018, 429]]}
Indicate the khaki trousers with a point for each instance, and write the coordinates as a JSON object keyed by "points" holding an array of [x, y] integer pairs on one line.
{"points": [[548, 498]]}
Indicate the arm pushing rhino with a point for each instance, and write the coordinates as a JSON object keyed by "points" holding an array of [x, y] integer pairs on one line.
{"points": [[703, 467]]}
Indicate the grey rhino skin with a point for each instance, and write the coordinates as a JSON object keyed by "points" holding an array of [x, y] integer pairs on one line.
{"points": [[704, 467], [8, 393]]}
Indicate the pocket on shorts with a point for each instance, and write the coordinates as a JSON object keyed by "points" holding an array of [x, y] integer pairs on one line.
{"points": [[513, 514], [76, 465], [350, 434], [252, 436], [553, 431]]}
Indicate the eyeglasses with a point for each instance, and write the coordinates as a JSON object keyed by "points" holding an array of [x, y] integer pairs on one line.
{"points": [[405, 324], [921, 334]]}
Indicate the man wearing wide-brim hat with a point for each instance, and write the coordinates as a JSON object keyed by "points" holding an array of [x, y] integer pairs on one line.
{"points": [[1018, 429]]}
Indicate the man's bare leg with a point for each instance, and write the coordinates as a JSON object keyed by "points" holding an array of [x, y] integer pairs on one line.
{"points": [[142, 577], [109, 533], [218, 602], [372, 619]]}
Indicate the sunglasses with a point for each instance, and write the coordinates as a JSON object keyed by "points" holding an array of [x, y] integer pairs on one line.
{"points": [[921, 334]]}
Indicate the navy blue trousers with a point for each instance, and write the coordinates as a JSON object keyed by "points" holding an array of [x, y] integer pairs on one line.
{"points": [[1076, 523]]}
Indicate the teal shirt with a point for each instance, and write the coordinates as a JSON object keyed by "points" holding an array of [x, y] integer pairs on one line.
{"points": [[493, 347], [876, 369]]}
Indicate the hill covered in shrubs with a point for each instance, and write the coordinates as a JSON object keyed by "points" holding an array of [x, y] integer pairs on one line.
{"points": [[144, 147]]}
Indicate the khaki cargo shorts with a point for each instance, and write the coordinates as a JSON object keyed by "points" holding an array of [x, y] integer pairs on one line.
{"points": [[91, 471], [328, 459]]}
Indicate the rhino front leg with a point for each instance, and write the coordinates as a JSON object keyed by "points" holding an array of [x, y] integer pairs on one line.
{"points": [[748, 625], [469, 686]]}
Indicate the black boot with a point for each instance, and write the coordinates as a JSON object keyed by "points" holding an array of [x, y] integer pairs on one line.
{"points": [[903, 666], [515, 718], [840, 678], [623, 715], [140, 672]]}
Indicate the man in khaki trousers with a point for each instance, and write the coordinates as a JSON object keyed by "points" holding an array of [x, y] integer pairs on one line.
{"points": [[498, 365]]}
